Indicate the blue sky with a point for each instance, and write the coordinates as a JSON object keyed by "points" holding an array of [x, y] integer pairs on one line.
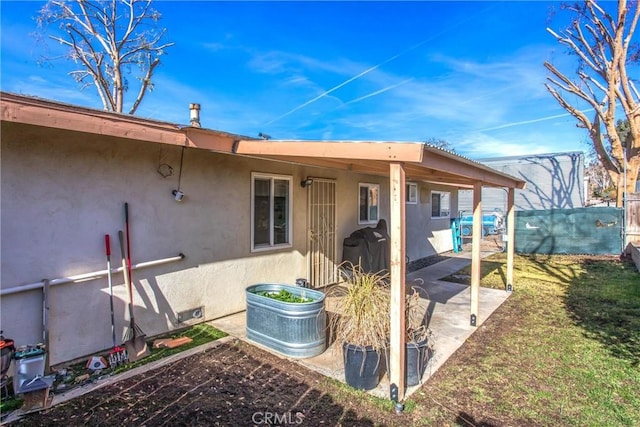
{"points": [[469, 73]]}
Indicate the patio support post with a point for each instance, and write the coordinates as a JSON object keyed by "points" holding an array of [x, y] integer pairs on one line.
{"points": [[511, 233], [476, 238], [397, 267]]}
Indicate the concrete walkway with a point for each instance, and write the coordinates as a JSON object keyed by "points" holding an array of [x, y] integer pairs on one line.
{"points": [[448, 314]]}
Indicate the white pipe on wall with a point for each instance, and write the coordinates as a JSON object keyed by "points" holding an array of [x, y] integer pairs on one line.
{"points": [[86, 276]]}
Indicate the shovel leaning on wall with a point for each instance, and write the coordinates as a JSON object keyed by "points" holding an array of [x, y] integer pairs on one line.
{"points": [[135, 343]]}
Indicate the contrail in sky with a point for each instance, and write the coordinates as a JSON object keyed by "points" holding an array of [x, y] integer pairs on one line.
{"points": [[378, 92], [375, 67], [526, 122], [333, 89]]}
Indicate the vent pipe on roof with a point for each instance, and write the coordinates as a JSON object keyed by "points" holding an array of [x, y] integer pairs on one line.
{"points": [[195, 115]]}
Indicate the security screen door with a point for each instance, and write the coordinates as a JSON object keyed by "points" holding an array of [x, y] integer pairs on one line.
{"points": [[322, 267]]}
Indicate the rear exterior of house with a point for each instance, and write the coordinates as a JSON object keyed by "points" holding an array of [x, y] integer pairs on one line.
{"points": [[243, 220]]}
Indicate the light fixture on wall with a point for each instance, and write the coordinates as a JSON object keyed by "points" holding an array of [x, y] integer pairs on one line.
{"points": [[306, 182], [177, 194]]}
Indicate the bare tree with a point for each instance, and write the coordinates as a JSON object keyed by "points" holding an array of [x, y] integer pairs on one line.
{"points": [[603, 46], [107, 39]]}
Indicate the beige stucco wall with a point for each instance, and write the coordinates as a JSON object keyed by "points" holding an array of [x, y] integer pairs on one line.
{"points": [[62, 192], [427, 236], [60, 195]]}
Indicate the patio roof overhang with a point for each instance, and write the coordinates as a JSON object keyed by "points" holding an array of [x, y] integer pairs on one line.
{"points": [[422, 162], [399, 161]]}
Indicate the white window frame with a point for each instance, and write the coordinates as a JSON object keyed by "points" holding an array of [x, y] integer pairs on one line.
{"points": [[411, 193], [271, 245], [441, 193], [368, 220]]}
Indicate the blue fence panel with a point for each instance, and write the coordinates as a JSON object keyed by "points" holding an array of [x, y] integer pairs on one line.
{"points": [[596, 230]]}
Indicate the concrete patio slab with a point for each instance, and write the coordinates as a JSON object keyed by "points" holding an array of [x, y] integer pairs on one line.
{"points": [[448, 317]]}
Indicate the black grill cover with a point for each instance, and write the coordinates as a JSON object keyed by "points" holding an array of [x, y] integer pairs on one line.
{"points": [[368, 247]]}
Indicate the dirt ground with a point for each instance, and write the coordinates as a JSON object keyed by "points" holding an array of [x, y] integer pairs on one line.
{"points": [[232, 384], [237, 384]]}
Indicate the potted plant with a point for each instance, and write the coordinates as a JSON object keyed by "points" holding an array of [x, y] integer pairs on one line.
{"points": [[361, 325]]}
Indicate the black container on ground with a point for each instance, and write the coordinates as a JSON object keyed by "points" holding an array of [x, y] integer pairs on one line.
{"points": [[363, 366], [417, 356]]}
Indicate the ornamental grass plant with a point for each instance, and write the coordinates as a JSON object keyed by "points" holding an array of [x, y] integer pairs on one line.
{"points": [[363, 302], [363, 305]]}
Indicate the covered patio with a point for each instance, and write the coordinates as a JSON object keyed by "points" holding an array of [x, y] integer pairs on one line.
{"points": [[400, 162]]}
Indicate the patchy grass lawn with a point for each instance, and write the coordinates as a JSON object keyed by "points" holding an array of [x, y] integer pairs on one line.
{"points": [[200, 334], [564, 349]]}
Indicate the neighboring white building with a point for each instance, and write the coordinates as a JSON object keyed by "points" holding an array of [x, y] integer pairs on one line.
{"points": [[553, 181]]}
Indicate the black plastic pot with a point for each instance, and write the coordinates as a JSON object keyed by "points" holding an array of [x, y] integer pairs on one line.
{"points": [[416, 356], [363, 366]]}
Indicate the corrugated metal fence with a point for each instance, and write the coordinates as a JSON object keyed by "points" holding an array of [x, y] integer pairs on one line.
{"points": [[596, 230]]}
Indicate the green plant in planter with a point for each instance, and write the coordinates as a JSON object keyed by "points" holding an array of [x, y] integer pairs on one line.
{"points": [[284, 296]]}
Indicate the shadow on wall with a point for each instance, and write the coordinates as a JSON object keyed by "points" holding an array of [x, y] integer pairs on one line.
{"points": [[563, 183], [164, 310]]}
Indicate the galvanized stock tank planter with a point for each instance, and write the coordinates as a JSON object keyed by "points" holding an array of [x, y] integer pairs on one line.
{"points": [[294, 329]]}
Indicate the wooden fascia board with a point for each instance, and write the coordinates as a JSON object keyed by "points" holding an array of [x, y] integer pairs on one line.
{"points": [[387, 151], [59, 116], [306, 161], [439, 179], [423, 174], [209, 140], [371, 167], [444, 181], [470, 170]]}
